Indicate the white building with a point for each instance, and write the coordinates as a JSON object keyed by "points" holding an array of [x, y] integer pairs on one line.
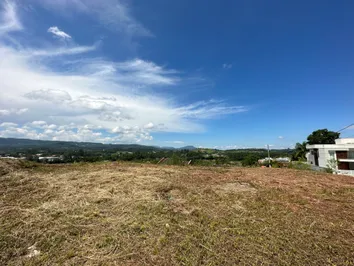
{"points": [[279, 160], [339, 155]]}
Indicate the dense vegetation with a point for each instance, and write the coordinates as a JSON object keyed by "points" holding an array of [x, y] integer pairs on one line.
{"points": [[322, 136]]}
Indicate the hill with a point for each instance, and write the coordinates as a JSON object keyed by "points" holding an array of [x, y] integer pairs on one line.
{"points": [[141, 214], [7, 144], [18, 145]]}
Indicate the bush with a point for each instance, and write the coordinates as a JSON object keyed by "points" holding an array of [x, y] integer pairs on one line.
{"points": [[299, 165], [250, 160], [175, 160], [275, 164], [328, 170]]}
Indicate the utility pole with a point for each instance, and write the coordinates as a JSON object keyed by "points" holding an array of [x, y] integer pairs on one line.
{"points": [[268, 156]]}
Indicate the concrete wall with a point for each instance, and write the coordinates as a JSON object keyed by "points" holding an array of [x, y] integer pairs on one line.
{"points": [[346, 172], [345, 141], [325, 155], [310, 158]]}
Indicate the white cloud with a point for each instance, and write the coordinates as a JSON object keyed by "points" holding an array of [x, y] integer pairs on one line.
{"points": [[117, 99], [280, 137], [59, 33], [51, 126], [49, 95], [5, 112], [9, 20], [149, 125], [39, 123], [227, 66], [32, 131], [8, 124], [21, 111], [179, 142]]}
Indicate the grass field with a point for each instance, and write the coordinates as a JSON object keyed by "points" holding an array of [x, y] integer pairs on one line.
{"points": [[133, 214]]}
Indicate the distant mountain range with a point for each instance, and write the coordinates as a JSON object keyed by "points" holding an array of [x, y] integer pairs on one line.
{"points": [[10, 144]]}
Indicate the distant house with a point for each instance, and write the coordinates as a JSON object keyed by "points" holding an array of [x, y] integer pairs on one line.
{"points": [[9, 157], [51, 159], [342, 152], [265, 160], [279, 160], [283, 160]]}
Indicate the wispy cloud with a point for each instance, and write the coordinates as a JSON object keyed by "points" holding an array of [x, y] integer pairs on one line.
{"points": [[9, 19], [59, 33], [59, 51], [227, 66], [280, 137], [12, 111], [8, 124], [208, 109]]}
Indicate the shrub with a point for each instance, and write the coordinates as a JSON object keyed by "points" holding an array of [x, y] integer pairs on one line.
{"points": [[250, 160], [299, 165]]}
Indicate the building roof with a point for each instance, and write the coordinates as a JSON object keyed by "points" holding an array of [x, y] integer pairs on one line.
{"points": [[343, 144], [345, 141]]}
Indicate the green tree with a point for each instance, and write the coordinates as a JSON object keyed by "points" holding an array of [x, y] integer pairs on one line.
{"points": [[250, 160], [322, 136], [300, 151]]}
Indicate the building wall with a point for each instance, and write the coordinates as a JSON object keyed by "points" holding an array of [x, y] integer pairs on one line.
{"points": [[323, 157], [346, 172], [310, 158]]}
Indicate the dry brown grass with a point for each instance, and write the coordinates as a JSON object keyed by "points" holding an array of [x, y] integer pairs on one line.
{"points": [[132, 214]]}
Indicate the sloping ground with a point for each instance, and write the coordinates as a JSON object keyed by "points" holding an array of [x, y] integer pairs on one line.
{"points": [[7, 166], [132, 214]]}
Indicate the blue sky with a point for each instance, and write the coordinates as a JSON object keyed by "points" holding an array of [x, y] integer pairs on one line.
{"points": [[220, 74]]}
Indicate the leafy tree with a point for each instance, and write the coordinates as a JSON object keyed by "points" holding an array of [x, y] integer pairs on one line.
{"points": [[250, 160], [322, 136], [300, 151]]}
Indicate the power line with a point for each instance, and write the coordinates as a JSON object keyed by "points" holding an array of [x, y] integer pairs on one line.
{"points": [[345, 128]]}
